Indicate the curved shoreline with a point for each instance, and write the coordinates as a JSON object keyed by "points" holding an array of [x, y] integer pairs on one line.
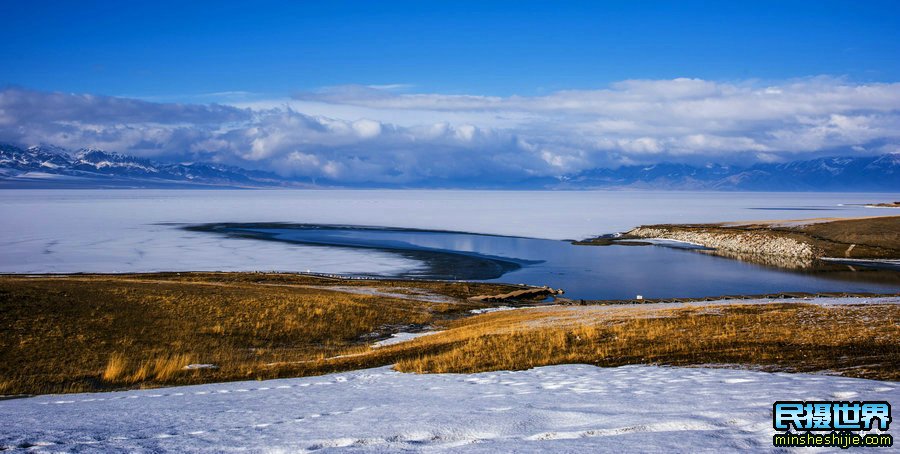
{"points": [[470, 257], [441, 264]]}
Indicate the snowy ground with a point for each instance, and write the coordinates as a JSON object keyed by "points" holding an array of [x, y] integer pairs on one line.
{"points": [[560, 408]]}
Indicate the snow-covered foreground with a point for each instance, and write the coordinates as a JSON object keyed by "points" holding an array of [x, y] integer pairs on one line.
{"points": [[560, 408]]}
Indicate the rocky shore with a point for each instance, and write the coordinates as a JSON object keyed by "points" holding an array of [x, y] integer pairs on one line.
{"points": [[751, 242], [789, 244]]}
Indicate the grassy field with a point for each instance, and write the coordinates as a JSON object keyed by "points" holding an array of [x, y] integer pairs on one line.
{"points": [[856, 340], [96, 332], [82, 333], [877, 237]]}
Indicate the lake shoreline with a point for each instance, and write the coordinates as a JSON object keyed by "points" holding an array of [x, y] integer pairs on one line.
{"points": [[863, 241], [440, 264]]}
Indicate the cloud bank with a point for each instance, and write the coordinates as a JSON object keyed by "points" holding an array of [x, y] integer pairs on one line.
{"points": [[366, 134]]}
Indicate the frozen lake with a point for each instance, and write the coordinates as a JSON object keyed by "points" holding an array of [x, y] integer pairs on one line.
{"points": [[140, 230]]}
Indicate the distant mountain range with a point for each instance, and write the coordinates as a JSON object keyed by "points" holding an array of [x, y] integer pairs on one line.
{"points": [[54, 167], [864, 173]]}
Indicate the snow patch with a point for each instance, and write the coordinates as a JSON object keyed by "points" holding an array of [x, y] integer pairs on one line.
{"points": [[558, 408], [397, 338], [492, 309], [200, 366]]}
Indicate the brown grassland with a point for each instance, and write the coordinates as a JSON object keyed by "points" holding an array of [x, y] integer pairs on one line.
{"points": [[88, 332], [879, 237], [103, 332], [854, 340]]}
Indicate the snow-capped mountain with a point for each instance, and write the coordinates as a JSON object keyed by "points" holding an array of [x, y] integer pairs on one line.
{"points": [[864, 173], [870, 173], [49, 167], [93, 160], [658, 176], [33, 159]]}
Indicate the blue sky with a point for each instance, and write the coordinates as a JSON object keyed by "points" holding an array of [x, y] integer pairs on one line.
{"points": [[401, 92], [172, 49]]}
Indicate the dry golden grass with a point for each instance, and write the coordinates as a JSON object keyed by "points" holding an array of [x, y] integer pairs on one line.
{"points": [[860, 341], [83, 333], [879, 237], [116, 368], [120, 370], [162, 368], [88, 333]]}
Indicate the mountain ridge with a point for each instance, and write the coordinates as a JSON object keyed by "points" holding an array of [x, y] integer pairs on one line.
{"points": [[48, 166]]}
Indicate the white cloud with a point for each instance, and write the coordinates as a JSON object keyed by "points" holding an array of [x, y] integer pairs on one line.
{"points": [[377, 134], [367, 129]]}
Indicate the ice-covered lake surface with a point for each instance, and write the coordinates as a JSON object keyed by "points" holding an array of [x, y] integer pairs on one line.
{"points": [[569, 408], [141, 230]]}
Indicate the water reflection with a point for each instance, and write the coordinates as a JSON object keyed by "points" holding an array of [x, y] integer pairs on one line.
{"points": [[791, 263]]}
